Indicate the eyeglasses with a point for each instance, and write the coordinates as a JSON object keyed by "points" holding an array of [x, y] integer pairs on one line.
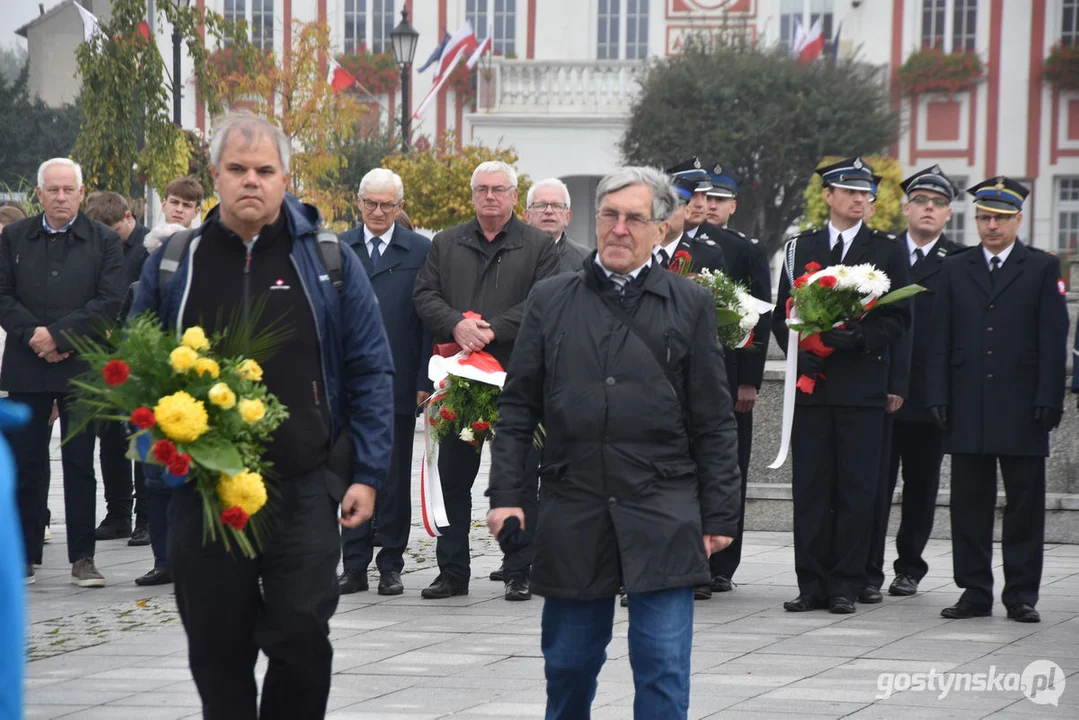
{"points": [[635, 222], [923, 200], [543, 206], [482, 190], [387, 207], [1001, 219]]}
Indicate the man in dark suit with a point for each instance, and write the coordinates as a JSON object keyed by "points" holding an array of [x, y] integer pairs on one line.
{"points": [[392, 257], [548, 208], [838, 428], [687, 233], [913, 439], [747, 263], [996, 385]]}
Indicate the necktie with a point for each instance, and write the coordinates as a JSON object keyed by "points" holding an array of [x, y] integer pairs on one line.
{"points": [[918, 256], [620, 281], [837, 250], [375, 253], [664, 259], [994, 268]]}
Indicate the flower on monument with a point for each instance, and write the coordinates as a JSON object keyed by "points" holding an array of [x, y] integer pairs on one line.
{"points": [[181, 417], [116, 372]]}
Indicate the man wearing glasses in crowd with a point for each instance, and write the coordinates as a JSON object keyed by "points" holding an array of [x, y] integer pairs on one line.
{"points": [[549, 210], [487, 266]]}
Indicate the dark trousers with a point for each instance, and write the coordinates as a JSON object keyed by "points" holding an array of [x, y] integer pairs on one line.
{"points": [[882, 509], [157, 506], [919, 447], [229, 618], [726, 561], [836, 463], [30, 446], [458, 464], [973, 509], [393, 510], [519, 563], [116, 471]]}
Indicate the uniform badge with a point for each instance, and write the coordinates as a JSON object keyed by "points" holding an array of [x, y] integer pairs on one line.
{"points": [[717, 170], [1000, 183], [1060, 287], [857, 163], [941, 252], [709, 241], [702, 236], [697, 163]]}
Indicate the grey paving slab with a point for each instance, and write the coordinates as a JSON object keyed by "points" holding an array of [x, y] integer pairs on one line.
{"points": [[120, 652]]}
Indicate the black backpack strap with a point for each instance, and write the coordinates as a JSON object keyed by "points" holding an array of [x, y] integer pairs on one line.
{"points": [[174, 251], [329, 249]]}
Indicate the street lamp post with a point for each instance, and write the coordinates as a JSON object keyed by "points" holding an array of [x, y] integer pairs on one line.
{"points": [[405, 38], [176, 84]]}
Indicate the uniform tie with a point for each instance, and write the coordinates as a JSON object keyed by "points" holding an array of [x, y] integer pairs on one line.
{"points": [[837, 250], [664, 258], [994, 268], [376, 255], [918, 256]]}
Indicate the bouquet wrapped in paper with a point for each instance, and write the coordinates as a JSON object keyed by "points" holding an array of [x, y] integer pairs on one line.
{"points": [[737, 312]]}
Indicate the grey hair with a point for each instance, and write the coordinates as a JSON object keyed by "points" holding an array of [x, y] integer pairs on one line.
{"points": [[251, 127], [380, 180], [495, 166], [65, 162], [549, 182], [663, 196]]}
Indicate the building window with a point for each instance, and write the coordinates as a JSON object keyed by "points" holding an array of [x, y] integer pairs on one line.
{"points": [[617, 19], [805, 13], [355, 24], [607, 31], [259, 19], [1069, 26], [1067, 214], [636, 29], [499, 17], [949, 25], [361, 25]]}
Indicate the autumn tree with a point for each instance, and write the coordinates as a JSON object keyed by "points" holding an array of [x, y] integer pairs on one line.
{"points": [[761, 114], [437, 181], [887, 209]]}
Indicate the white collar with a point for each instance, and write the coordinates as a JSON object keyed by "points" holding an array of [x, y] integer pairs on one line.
{"points": [[848, 234], [632, 274], [926, 249], [1003, 255], [386, 236]]}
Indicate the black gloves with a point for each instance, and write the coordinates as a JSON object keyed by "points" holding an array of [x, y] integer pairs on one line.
{"points": [[809, 364], [512, 538], [940, 415], [851, 337], [1048, 418]]}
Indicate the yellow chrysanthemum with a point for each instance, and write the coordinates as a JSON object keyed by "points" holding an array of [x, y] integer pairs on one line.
{"points": [[252, 411], [195, 338], [181, 417], [246, 490], [206, 365], [222, 396], [183, 359], [250, 370]]}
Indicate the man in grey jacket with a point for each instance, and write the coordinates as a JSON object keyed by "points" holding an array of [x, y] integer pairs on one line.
{"points": [[548, 208]]}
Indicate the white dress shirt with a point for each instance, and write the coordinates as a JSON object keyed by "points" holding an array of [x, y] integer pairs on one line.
{"points": [[618, 279], [926, 249], [1003, 255], [848, 236], [386, 237]]}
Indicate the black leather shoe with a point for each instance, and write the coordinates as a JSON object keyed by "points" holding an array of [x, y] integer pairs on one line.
{"points": [[963, 610], [840, 605], [351, 581], [722, 583], [140, 537], [498, 575], [1024, 613], [803, 603], [441, 589], [157, 576], [113, 528], [903, 585], [702, 592], [870, 595], [517, 589], [390, 584]]}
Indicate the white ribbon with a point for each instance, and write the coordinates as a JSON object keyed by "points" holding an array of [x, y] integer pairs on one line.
{"points": [[432, 504], [790, 381]]}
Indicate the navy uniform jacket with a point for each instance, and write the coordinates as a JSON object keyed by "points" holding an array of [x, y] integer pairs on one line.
{"points": [[998, 350], [747, 263], [705, 251], [393, 283], [926, 274], [862, 378]]}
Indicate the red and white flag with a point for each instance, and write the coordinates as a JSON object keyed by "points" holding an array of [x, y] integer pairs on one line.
{"points": [[813, 45], [338, 78], [461, 44], [485, 47]]}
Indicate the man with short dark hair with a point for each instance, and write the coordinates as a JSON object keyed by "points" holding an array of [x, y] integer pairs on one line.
{"points": [[61, 275]]}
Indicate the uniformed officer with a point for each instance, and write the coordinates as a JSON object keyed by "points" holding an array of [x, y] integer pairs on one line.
{"points": [[838, 428], [913, 439], [690, 182], [746, 263], [996, 385]]}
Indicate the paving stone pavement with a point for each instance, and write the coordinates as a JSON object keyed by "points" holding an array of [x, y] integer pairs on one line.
{"points": [[119, 652]]}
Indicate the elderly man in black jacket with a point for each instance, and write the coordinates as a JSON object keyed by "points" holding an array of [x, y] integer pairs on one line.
{"points": [[487, 266], [640, 479], [548, 208], [61, 275]]}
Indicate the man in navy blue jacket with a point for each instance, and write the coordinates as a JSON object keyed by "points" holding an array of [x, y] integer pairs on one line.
{"points": [[392, 255], [335, 376]]}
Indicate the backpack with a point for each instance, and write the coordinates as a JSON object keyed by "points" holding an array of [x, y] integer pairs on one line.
{"points": [[329, 250]]}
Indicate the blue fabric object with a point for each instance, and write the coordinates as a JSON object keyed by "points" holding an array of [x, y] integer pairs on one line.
{"points": [[143, 444], [173, 481], [12, 572], [356, 356]]}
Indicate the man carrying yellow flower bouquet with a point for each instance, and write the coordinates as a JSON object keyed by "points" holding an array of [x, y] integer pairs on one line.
{"points": [[334, 375]]}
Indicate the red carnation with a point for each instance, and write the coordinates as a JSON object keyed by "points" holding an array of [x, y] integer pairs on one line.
{"points": [[801, 281], [812, 267], [683, 256], [116, 372], [481, 425], [826, 281], [234, 517], [179, 465], [434, 423], [447, 414], [143, 418], [164, 451]]}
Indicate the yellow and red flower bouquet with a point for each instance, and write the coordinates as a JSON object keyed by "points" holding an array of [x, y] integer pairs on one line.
{"points": [[198, 410]]}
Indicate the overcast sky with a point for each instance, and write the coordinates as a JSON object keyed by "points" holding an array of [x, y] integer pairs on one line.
{"points": [[16, 13]]}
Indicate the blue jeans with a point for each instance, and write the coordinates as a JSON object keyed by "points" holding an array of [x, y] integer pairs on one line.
{"points": [[575, 638]]}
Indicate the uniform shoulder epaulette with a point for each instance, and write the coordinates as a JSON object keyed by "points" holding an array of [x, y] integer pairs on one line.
{"points": [[707, 241], [1037, 250], [956, 252], [881, 233], [804, 233]]}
